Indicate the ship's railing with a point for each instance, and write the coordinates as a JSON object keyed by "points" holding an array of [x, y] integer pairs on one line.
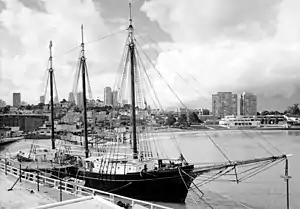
{"points": [[68, 187]]}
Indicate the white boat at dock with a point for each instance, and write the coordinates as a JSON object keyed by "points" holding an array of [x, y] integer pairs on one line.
{"points": [[10, 134], [233, 121]]}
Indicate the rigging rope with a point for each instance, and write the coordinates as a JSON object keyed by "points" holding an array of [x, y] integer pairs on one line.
{"points": [[216, 145], [149, 80], [259, 144], [106, 36], [56, 92], [168, 85], [160, 50], [195, 89], [272, 145]]}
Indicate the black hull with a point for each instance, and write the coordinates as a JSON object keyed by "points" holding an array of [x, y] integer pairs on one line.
{"points": [[170, 185], [164, 186]]}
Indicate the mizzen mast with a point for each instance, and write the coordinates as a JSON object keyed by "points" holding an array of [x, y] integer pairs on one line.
{"points": [[51, 96], [132, 77]]}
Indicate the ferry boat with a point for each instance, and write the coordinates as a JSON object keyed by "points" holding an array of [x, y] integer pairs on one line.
{"points": [[232, 121]]}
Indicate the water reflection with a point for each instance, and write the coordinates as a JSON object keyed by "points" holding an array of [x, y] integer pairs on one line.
{"points": [[293, 133]]}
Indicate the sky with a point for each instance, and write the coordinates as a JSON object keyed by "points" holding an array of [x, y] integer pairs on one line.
{"points": [[199, 47]]}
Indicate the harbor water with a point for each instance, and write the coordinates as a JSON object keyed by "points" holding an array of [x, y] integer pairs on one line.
{"points": [[265, 190]]}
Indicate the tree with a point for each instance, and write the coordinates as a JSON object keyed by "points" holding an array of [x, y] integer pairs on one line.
{"points": [[63, 101], [127, 106], [296, 110], [194, 118], [265, 112], [293, 110], [182, 118], [170, 120], [77, 109], [6, 109], [39, 106]]}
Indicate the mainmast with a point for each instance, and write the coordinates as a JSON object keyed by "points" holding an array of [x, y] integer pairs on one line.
{"points": [[132, 65], [51, 97], [83, 65]]}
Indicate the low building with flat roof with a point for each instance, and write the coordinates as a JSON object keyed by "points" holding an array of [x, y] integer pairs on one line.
{"points": [[26, 122]]}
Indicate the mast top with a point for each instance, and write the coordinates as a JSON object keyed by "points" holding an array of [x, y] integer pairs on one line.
{"points": [[130, 18], [82, 43], [50, 45], [50, 58]]}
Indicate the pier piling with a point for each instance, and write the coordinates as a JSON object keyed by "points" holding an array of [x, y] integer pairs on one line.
{"points": [[5, 166], [38, 181], [20, 173]]}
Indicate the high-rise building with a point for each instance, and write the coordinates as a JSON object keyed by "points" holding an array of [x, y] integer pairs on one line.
{"points": [[2, 103], [42, 99], [248, 104], [56, 101], [234, 104], [71, 98], [16, 99], [115, 98], [224, 103], [80, 99], [107, 96]]}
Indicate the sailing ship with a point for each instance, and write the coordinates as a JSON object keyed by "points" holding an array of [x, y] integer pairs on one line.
{"points": [[140, 174]]}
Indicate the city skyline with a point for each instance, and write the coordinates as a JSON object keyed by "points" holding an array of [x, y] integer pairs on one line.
{"points": [[246, 46], [228, 103]]}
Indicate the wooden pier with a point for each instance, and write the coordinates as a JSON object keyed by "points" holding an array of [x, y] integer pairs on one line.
{"points": [[67, 188]]}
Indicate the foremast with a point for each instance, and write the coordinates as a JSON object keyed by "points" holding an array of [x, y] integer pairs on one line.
{"points": [[51, 96], [132, 77]]}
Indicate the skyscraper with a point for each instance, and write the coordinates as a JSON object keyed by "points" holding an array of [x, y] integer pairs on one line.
{"points": [[248, 104], [71, 98], [42, 99], [56, 101], [2, 103], [16, 99], [234, 104], [107, 96], [115, 98], [224, 103], [80, 99]]}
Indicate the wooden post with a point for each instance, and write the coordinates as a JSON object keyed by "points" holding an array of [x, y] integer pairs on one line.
{"points": [[60, 189], [20, 171], [38, 181], [5, 166]]}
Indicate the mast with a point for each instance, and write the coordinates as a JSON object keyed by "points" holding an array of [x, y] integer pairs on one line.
{"points": [[83, 65], [132, 65], [51, 97]]}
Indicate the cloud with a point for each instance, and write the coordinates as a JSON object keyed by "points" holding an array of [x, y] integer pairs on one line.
{"points": [[225, 46], [27, 28], [34, 4], [230, 46]]}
